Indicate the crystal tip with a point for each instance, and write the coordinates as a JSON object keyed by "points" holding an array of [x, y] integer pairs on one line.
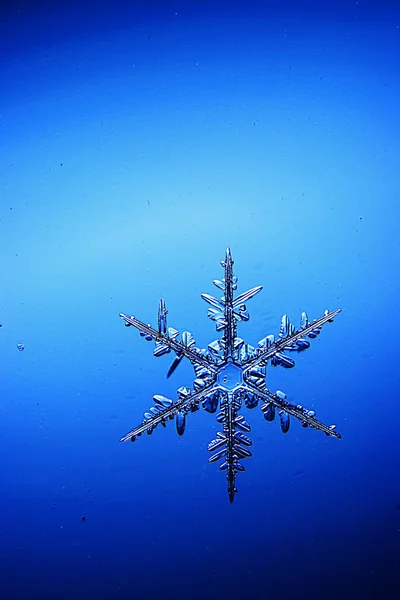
{"points": [[228, 255], [232, 492]]}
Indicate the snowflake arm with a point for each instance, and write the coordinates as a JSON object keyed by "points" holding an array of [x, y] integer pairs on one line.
{"points": [[278, 400], [290, 339], [227, 311], [165, 409], [231, 444], [166, 344]]}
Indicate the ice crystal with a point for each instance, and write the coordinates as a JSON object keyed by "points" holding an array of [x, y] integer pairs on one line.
{"points": [[228, 374]]}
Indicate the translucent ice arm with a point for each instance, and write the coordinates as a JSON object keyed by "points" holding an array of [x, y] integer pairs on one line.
{"points": [[165, 409], [170, 343], [230, 445], [289, 341], [278, 400], [228, 310]]}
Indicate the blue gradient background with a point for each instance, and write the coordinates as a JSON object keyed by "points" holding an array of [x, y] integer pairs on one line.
{"points": [[138, 140]]}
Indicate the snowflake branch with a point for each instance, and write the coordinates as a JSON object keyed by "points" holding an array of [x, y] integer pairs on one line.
{"points": [[299, 412], [263, 356]]}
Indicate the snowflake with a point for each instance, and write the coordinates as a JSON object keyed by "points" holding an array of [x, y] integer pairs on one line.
{"points": [[229, 373]]}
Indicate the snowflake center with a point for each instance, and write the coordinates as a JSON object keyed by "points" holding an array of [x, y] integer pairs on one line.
{"points": [[230, 377]]}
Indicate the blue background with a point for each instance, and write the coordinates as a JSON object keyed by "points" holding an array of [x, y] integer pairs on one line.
{"points": [[138, 140]]}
